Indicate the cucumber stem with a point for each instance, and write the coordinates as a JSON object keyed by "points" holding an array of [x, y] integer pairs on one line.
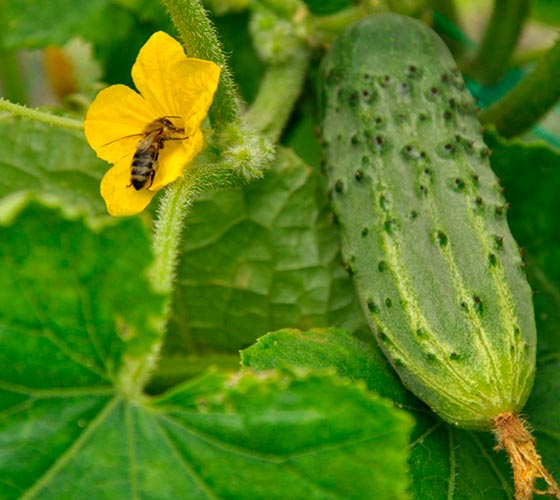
{"points": [[513, 435], [326, 28], [526, 103], [500, 38], [278, 93]]}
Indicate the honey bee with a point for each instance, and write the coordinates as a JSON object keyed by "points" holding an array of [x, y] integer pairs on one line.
{"points": [[144, 161]]}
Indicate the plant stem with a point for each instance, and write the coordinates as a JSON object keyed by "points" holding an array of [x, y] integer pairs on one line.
{"points": [[40, 116], [500, 38], [200, 40], [526, 103], [174, 206], [326, 28], [279, 90]]}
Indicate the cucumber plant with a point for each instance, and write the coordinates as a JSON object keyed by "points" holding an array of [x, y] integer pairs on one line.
{"points": [[107, 372], [424, 231]]}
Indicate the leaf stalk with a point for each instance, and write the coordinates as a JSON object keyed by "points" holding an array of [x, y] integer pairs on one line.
{"points": [[526, 103], [40, 116], [501, 35]]}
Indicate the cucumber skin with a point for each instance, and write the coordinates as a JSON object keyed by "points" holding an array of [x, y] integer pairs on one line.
{"points": [[423, 225]]}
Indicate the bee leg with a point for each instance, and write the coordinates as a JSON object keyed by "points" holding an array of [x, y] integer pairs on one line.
{"points": [[152, 175], [174, 139]]}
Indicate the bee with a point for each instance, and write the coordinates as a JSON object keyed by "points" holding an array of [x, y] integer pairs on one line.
{"points": [[144, 161]]}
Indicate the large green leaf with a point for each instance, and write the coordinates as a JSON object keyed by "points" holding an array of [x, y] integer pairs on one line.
{"points": [[50, 163], [28, 24], [59, 302], [219, 436], [67, 336], [261, 258], [444, 461], [285, 437], [78, 327]]}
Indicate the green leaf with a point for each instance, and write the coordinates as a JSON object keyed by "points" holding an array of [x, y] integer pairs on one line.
{"points": [[24, 25], [260, 258], [444, 462], [74, 423], [50, 163], [58, 293], [55, 22], [240, 436], [274, 436], [67, 334], [322, 348], [64, 409]]}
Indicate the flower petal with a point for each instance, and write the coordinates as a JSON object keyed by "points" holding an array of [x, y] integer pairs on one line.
{"points": [[116, 114], [120, 197], [150, 72], [195, 82], [175, 84]]}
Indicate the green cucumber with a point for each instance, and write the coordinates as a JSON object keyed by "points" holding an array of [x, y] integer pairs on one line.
{"points": [[423, 222]]}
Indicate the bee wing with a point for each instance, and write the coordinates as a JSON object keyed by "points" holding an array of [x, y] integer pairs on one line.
{"points": [[125, 138], [127, 143]]}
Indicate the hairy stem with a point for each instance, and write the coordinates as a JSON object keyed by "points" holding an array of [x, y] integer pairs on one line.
{"points": [[200, 40], [500, 38], [173, 208], [526, 103], [202, 175], [40, 116], [278, 92]]}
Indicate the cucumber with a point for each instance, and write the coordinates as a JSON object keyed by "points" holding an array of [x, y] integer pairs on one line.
{"points": [[423, 222]]}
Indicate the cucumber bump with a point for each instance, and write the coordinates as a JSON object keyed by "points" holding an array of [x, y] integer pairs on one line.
{"points": [[423, 226]]}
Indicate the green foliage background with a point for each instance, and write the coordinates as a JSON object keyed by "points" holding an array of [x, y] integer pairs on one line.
{"points": [[97, 402]]}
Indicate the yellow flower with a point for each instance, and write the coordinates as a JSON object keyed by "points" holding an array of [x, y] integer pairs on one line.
{"points": [[158, 128]]}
